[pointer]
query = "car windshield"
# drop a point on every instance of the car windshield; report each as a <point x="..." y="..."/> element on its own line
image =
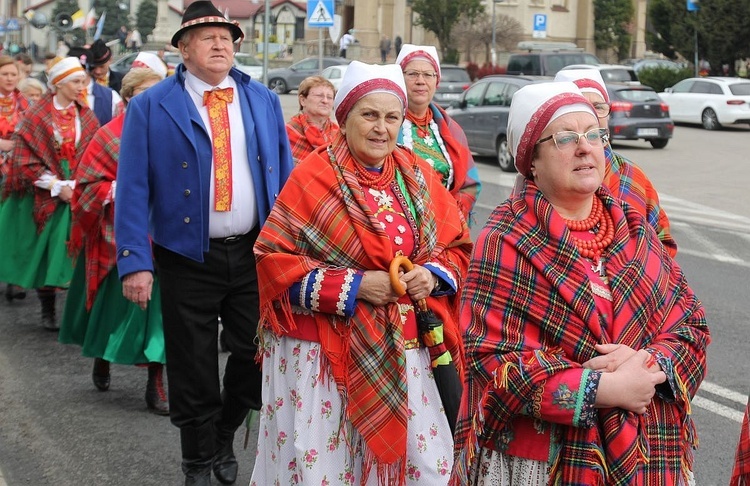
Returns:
<point x="454" y="76"/>
<point x="618" y="75"/>
<point x="740" y="89"/>
<point x="637" y="95"/>
<point x="247" y="61"/>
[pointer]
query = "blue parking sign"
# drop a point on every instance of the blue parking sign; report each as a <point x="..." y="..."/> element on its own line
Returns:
<point x="320" y="13"/>
<point x="540" y="25"/>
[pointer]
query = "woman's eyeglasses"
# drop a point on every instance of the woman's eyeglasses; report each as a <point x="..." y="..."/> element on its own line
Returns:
<point x="317" y="96"/>
<point x="567" y="139"/>
<point x="602" y="109"/>
<point x="413" y="75"/>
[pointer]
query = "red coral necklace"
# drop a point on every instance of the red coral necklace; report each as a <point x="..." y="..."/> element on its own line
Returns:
<point x="600" y="219"/>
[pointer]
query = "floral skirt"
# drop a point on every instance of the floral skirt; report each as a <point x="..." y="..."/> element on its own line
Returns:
<point x="300" y="439"/>
<point x="494" y="468"/>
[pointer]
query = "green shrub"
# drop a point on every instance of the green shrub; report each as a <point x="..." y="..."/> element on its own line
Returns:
<point x="662" y="77"/>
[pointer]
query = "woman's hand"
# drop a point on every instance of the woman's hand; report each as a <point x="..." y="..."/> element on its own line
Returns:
<point x="66" y="193"/>
<point x="376" y="288"/>
<point x="632" y="386"/>
<point x="7" y="145"/>
<point x="419" y="282"/>
<point x="612" y="356"/>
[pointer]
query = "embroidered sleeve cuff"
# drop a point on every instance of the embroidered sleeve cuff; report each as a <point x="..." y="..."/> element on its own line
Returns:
<point x="327" y="290"/>
<point x="586" y="415"/>
<point x="668" y="390"/>
<point x="447" y="284"/>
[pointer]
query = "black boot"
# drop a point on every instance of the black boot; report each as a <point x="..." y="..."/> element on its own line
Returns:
<point x="156" y="393"/>
<point x="47" y="299"/>
<point x="100" y="374"/>
<point x="233" y="414"/>
<point x="14" y="292"/>
<point x="197" y="453"/>
<point x="225" y="463"/>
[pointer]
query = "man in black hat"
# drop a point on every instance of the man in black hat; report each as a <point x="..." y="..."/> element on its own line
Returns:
<point x="203" y="156"/>
<point x="98" y="66"/>
<point x="104" y="101"/>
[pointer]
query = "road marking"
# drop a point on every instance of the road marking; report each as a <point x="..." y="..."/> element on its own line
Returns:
<point x="718" y="409"/>
<point x="713" y="251"/>
<point x="720" y="391"/>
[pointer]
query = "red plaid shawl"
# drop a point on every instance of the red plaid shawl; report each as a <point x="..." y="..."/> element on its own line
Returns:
<point x="321" y="219"/>
<point x="36" y="152"/>
<point x="741" y="472"/>
<point x="530" y="314"/>
<point x="629" y="183"/>
<point x="93" y="221"/>
<point x="305" y="138"/>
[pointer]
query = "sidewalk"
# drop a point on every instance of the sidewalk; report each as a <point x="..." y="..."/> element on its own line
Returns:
<point x="2" y="480"/>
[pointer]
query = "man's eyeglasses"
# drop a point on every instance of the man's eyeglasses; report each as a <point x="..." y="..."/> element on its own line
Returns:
<point x="413" y="75"/>
<point x="569" y="140"/>
<point x="602" y="109"/>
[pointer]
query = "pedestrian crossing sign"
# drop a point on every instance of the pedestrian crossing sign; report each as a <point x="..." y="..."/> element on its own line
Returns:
<point x="320" y="13"/>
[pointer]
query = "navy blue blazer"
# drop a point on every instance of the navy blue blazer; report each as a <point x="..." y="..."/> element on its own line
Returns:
<point x="164" y="171"/>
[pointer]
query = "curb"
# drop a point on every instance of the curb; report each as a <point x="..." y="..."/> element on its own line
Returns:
<point x="2" y="479"/>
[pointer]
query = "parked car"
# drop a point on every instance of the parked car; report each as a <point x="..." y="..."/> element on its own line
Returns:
<point x="655" y="63"/>
<point x="482" y="112"/>
<point x="249" y="65"/>
<point x="335" y="74"/>
<point x="284" y="80"/>
<point x="611" y="73"/>
<point x="547" y="63"/>
<point x="636" y="113"/>
<point x="711" y="101"/>
<point x="454" y="80"/>
<point x="123" y="64"/>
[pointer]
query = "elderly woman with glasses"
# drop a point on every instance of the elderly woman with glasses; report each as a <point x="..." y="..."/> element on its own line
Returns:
<point x="312" y="127"/>
<point x="349" y="393"/>
<point x="431" y="133"/>
<point x="584" y="343"/>
<point x="624" y="179"/>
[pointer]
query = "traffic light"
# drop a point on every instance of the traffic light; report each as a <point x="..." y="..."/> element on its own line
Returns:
<point x="693" y="5"/>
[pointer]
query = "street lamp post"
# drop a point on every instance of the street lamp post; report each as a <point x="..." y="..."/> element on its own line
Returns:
<point x="494" y="28"/>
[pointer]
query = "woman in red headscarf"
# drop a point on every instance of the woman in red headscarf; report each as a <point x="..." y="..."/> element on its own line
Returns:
<point x="12" y="105"/>
<point x="348" y="391"/>
<point x="35" y="215"/>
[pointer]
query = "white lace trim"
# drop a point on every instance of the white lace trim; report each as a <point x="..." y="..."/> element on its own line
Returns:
<point x="409" y="143"/>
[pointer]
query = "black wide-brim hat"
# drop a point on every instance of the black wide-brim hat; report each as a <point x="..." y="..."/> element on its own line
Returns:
<point x="100" y="53"/>
<point x="202" y="14"/>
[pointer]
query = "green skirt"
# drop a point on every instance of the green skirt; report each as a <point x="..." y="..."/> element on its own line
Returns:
<point x="115" y="329"/>
<point x="33" y="260"/>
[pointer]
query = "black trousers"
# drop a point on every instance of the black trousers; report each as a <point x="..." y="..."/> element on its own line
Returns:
<point x="193" y="296"/>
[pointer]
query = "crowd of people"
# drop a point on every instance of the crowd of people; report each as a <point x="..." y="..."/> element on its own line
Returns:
<point x="373" y="341"/>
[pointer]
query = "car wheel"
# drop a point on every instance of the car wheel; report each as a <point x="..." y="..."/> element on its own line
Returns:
<point x="278" y="86"/>
<point x="709" y="120"/>
<point x="503" y="155"/>
<point x="659" y="143"/>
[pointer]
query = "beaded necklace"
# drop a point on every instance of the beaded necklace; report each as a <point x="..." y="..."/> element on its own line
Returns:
<point x="376" y="180"/>
<point x="421" y="122"/>
<point x="605" y="232"/>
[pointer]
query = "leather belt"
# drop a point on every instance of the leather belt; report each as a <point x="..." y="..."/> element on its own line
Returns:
<point x="229" y="239"/>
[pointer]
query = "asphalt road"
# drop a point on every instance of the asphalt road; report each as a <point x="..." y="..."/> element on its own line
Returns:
<point x="57" y="429"/>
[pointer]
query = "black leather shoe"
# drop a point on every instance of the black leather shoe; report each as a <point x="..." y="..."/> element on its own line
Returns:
<point x="225" y="464"/>
<point x="100" y="374"/>
<point x="199" y="477"/>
